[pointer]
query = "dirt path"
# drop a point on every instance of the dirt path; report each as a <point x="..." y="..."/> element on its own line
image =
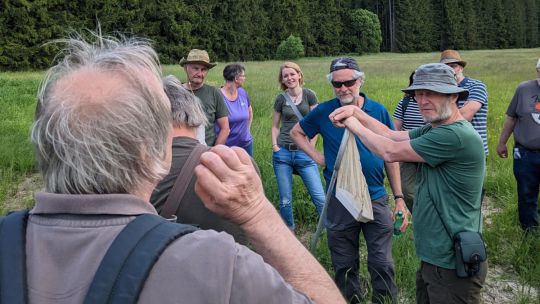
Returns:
<point x="502" y="284"/>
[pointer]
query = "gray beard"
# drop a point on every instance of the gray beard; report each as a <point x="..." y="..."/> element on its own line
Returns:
<point x="444" y="115"/>
<point x="346" y="103"/>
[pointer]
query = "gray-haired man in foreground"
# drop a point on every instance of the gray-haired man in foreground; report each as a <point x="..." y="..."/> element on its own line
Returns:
<point x="449" y="179"/>
<point x="103" y="138"/>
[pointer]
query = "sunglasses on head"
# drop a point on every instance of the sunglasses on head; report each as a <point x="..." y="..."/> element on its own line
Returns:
<point x="348" y="83"/>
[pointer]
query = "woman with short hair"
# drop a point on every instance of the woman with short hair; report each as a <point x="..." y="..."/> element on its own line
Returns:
<point x="239" y="105"/>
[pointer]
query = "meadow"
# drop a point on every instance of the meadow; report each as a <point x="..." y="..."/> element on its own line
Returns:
<point x="501" y="70"/>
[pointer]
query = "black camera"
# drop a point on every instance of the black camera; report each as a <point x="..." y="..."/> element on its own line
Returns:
<point x="470" y="252"/>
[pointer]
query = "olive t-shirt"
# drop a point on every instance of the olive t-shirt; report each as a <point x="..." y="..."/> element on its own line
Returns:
<point x="214" y="107"/>
<point x="288" y="118"/>
<point x="191" y="210"/>
<point x="451" y="178"/>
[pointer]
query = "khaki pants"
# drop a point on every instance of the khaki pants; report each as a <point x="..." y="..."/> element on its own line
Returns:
<point x="437" y="285"/>
<point x="408" y="182"/>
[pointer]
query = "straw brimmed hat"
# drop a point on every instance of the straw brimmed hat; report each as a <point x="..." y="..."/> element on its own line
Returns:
<point x="452" y="56"/>
<point x="198" y="56"/>
<point x="437" y="77"/>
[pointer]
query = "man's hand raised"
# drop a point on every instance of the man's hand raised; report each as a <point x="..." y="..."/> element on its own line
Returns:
<point x="228" y="184"/>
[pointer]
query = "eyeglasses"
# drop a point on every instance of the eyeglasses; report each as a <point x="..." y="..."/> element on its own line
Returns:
<point x="347" y="83"/>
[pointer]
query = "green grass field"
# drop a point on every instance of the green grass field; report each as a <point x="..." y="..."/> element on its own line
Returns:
<point x="501" y="70"/>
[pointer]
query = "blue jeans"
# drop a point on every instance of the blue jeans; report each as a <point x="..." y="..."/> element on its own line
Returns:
<point x="284" y="161"/>
<point x="527" y="174"/>
<point x="249" y="148"/>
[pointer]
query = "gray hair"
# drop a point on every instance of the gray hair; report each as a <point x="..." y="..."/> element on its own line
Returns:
<point x="356" y="75"/>
<point x="116" y="142"/>
<point x="186" y="108"/>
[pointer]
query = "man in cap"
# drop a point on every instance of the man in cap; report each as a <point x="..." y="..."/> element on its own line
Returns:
<point x="343" y="230"/>
<point x="196" y="66"/>
<point x="475" y="107"/>
<point x="103" y="140"/>
<point x="523" y="119"/>
<point x="449" y="179"/>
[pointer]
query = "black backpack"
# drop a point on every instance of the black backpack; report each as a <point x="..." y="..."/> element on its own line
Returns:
<point x="122" y="273"/>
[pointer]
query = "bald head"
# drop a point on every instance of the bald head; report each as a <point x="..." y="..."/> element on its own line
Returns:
<point x="103" y="120"/>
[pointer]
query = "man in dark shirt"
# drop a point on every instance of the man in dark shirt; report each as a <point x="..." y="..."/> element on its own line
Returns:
<point x="187" y="116"/>
<point x="196" y="65"/>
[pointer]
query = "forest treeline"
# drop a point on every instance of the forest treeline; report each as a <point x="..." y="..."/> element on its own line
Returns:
<point x="253" y="29"/>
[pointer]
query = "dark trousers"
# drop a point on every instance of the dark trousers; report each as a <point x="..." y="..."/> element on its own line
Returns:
<point x="344" y="246"/>
<point x="437" y="285"/>
<point x="527" y="174"/>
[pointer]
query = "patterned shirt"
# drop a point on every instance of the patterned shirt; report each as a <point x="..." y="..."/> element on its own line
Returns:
<point x="478" y="92"/>
<point x="411" y="118"/>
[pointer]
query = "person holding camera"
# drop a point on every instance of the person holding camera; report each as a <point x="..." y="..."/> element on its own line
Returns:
<point x="447" y="207"/>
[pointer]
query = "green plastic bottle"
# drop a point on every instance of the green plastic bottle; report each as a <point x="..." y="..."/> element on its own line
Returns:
<point x="397" y="223"/>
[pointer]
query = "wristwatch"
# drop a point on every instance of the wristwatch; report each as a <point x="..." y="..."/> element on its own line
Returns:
<point x="399" y="196"/>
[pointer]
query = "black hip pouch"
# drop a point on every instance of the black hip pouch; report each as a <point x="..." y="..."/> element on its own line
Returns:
<point x="470" y="253"/>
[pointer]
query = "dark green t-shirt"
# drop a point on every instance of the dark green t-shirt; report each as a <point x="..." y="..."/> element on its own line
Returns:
<point x="288" y="118"/>
<point x="450" y="178"/>
<point x="214" y="107"/>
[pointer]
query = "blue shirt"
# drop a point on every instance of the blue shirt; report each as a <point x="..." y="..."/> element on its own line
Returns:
<point x="317" y="122"/>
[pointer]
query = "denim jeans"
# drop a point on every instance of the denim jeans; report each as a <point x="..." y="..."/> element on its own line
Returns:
<point x="527" y="174"/>
<point x="284" y="161"/>
<point x="249" y="148"/>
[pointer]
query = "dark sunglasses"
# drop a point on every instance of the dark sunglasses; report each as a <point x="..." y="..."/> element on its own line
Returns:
<point x="348" y="83"/>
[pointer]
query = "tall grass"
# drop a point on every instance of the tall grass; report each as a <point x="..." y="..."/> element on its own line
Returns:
<point x="501" y="70"/>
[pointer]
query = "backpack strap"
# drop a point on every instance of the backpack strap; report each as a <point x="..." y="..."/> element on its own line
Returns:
<point x="13" y="285"/>
<point x="182" y="182"/>
<point x="291" y="104"/>
<point x="125" y="267"/>
<point x="404" y="106"/>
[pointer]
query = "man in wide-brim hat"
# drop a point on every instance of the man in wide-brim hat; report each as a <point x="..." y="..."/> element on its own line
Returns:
<point x="198" y="56"/>
<point x="475" y="106"/>
<point x="449" y="179"/>
<point x="196" y="66"/>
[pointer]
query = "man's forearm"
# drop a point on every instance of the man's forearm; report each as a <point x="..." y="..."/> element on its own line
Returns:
<point x="376" y="143"/>
<point x="373" y="124"/>
<point x="507" y="129"/>
<point x="222" y="136"/>
<point x="281" y="249"/>
<point x="304" y="144"/>
<point x="394" y="178"/>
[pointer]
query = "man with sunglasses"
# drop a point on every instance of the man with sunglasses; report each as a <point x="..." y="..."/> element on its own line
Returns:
<point x="343" y="230"/>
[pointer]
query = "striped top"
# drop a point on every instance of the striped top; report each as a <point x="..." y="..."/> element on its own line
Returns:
<point x="478" y="92"/>
<point x="412" y="118"/>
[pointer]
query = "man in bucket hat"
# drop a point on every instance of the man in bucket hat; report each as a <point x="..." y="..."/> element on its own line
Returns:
<point x="342" y="229"/>
<point x="449" y="181"/>
<point x="196" y="66"/>
<point x="474" y="108"/>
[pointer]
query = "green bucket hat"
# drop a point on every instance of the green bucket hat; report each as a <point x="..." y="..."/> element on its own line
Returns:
<point x="437" y="77"/>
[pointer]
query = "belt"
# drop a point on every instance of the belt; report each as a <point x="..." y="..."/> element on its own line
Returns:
<point x="531" y="150"/>
<point x="290" y="147"/>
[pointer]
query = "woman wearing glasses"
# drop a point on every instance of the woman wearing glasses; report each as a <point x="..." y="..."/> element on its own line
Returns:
<point x="239" y="105"/>
<point x="289" y="106"/>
